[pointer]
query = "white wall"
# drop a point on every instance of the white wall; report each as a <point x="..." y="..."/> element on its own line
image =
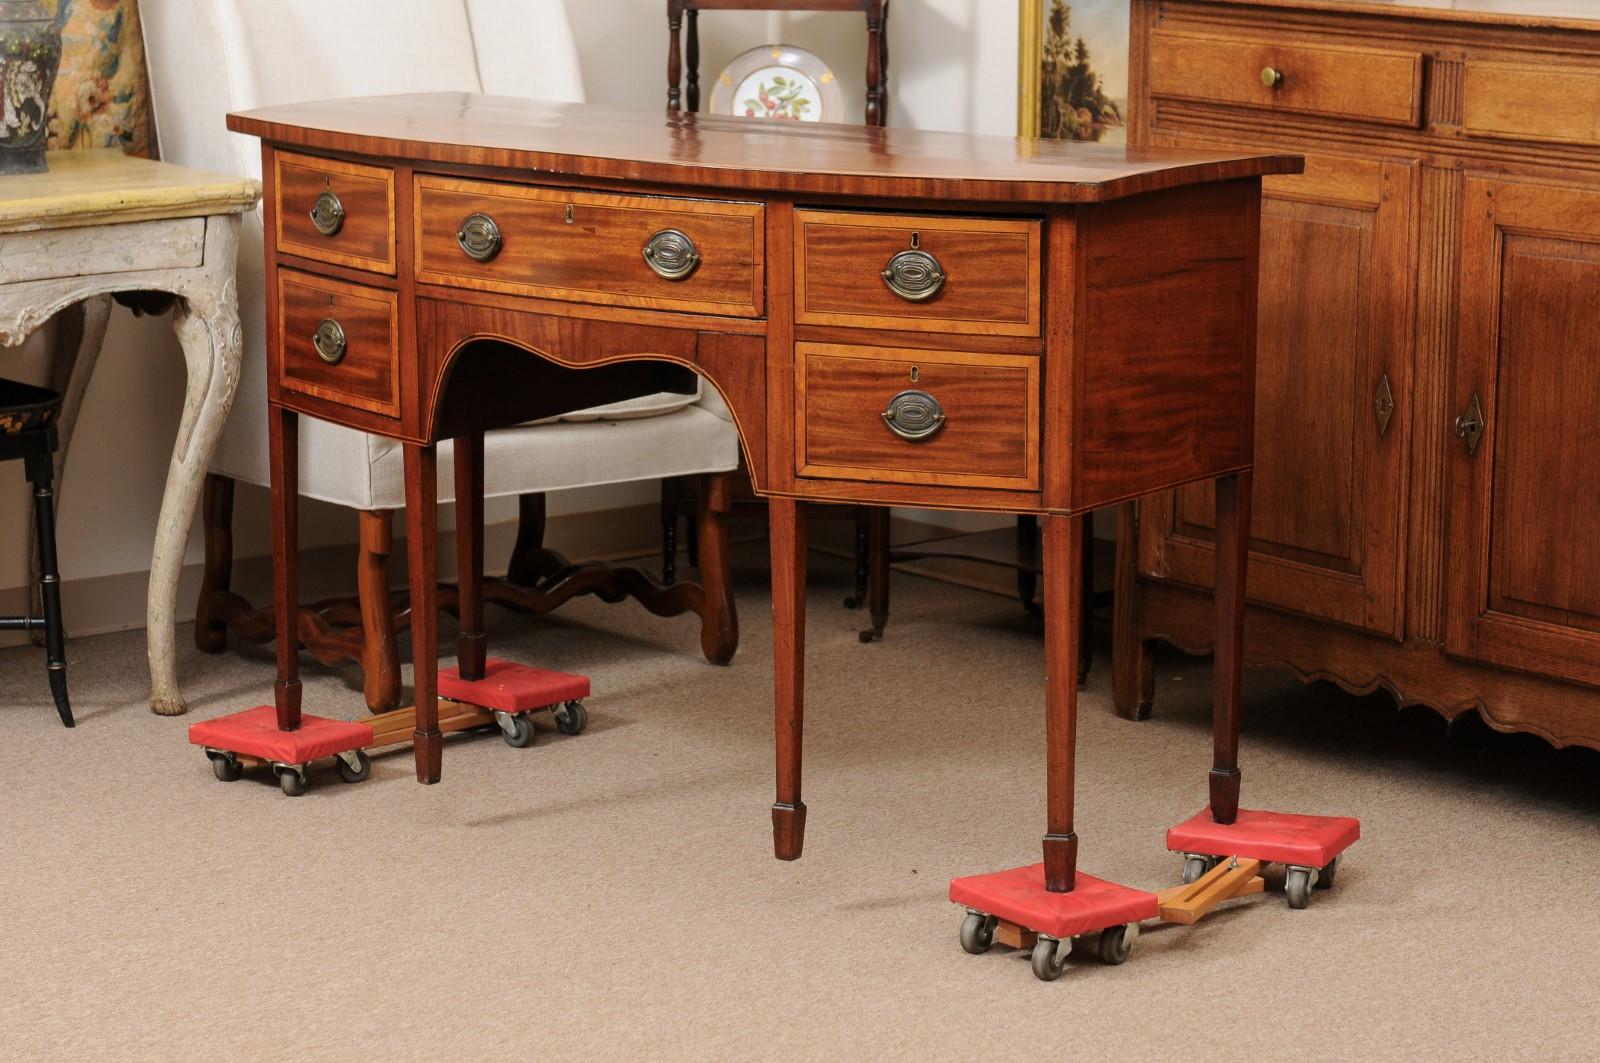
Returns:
<point x="953" y="66"/>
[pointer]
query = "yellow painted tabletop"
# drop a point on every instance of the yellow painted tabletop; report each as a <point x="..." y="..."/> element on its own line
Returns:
<point x="101" y="187"/>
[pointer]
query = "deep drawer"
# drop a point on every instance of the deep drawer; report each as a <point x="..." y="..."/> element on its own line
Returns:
<point x="656" y="252"/>
<point x="923" y="274"/>
<point x="1355" y="82"/>
<point x="973" y="419"/>
<point x="338" y="342"/>
<point x="332" y="211"/>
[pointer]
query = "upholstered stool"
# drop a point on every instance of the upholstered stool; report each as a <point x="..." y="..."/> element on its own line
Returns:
<point x="28" y="434"/>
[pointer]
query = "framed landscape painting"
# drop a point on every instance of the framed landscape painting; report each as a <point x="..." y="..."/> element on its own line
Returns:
<point x="1073" y="70"/>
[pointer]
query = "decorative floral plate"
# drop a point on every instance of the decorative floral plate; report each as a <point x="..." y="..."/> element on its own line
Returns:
<point x="778" y="81"/>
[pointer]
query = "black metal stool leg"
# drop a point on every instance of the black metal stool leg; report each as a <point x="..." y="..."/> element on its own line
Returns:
<point x="44" y="515"/>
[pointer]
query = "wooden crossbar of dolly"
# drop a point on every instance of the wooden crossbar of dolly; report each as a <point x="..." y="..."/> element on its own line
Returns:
<point x="399" y="726"/>
<point x="1187" y="905"/>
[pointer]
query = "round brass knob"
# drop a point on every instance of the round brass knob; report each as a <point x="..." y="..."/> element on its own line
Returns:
<point x="1271" y="77"/>
<point x="329" y="341"/>
<point x="479" y="237"/>
<point x="327" y="214"/>
<point x="914" y="415"/>
<point x="671" y="254"/>
<point x="915" y="276"/>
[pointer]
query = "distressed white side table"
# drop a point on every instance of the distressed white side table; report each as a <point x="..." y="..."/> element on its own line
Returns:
<point x="99" y="224"/>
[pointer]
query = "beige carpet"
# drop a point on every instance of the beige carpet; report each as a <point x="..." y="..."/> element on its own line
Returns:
<point x="612" y="896"/>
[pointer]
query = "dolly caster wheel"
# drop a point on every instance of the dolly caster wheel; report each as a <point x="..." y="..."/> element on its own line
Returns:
<point x="226" y="767"/>
<point x="1297" y="886"/>
<point x="1050" y="958"/>
<point x="1116" y="942"/>
<point x="572" y="718"/>
<point x="977" y="933"/>
<point x="1195" y="868"/>
<point x="293" y="783"/>
<point x="520" y="735"/>
<point x="852" y="602"/>
<point x="363" y="767"/>
<point x="1325" y="876"/>
<point x="872" y="634"/>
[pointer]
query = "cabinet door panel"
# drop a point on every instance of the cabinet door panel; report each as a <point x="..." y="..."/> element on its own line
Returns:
<point x="1335" y="320"/>
<point x="1525" y="558"/>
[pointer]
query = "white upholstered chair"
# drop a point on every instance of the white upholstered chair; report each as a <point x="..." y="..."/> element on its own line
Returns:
<point x="208" y="57"/>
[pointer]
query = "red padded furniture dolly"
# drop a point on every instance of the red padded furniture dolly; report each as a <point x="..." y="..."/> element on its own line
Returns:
<point x="1044" y="906"/>
<point x="1309" y="845"/>
<point x="511" y="692"/>
<point x="255" y="736"/>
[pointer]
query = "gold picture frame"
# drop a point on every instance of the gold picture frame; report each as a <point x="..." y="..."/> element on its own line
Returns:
<point x="1060" y="40"/>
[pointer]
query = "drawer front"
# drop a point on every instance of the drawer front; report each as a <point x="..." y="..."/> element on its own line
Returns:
<point x="922" y="274"/>
<point x="656" y="252"/>
<point x="1363" y="83"/>
<point x="337" y="212"/>
<point x="1532" y="100"/>
<point x="972" y="419"/>
<point x="338" y="342"/>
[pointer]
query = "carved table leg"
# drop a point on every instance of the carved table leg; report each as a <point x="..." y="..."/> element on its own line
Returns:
<point x="283" y="444"/>
<point x="788" y="533"/>
<point x="471" y="642"/>
<point x="1233" y="547"/>
<point x="422" y="534"/>
<point x="206" y="320"/>
<point x="1063" y="546"/>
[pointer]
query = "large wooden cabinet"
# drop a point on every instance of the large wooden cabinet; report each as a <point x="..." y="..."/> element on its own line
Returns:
<point x="1427" y="489"/>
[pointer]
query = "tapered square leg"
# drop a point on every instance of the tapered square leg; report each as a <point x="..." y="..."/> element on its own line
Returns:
<point x="788" y="536"/>
<point x="1063" y="548"/>
<point x="422" y="527"/>
<point x="1233" y="549"/>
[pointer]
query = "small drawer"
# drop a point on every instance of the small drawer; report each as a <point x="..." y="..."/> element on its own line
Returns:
<point x="333" y="211"/>
<point x="921" y="274"/>
<point x="1532" y="100"/>
<point x="918" y="417"/>
<point x="338" y="342"/>
<point x="656" y="252"/>
<point x="1361" y="83"/>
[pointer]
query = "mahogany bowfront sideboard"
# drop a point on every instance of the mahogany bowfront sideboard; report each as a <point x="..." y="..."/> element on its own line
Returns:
<point x="894" y="318"/>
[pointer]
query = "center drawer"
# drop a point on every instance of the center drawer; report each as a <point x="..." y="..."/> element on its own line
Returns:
<point x="657" y="252"/>
<point x="915" y="416"/>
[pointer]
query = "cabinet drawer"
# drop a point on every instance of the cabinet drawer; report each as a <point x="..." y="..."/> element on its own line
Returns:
<point x="338" y="342"/>
<point x="975" y="417"/>
<point x="333" y="211"/>
<point x="960" y="275"/>
<point x="1532" y="100"/>
<point x="1359" y="82"/>
<point x="647" y="251"/>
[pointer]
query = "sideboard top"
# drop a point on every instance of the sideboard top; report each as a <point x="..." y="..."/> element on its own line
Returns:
<point x="1548" y="14"/>
<point x="737" y="154"/>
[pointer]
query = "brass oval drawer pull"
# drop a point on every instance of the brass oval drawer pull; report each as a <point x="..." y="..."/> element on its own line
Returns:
<point x="671" y="254"/>
<point x="914" y="415"/>
<point x="915" y="276"/>
<point x="1271" y="77"/>
<point x="327" y="214"/>
<point x="329" y="341"/>
<point x="479" y="237"/>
